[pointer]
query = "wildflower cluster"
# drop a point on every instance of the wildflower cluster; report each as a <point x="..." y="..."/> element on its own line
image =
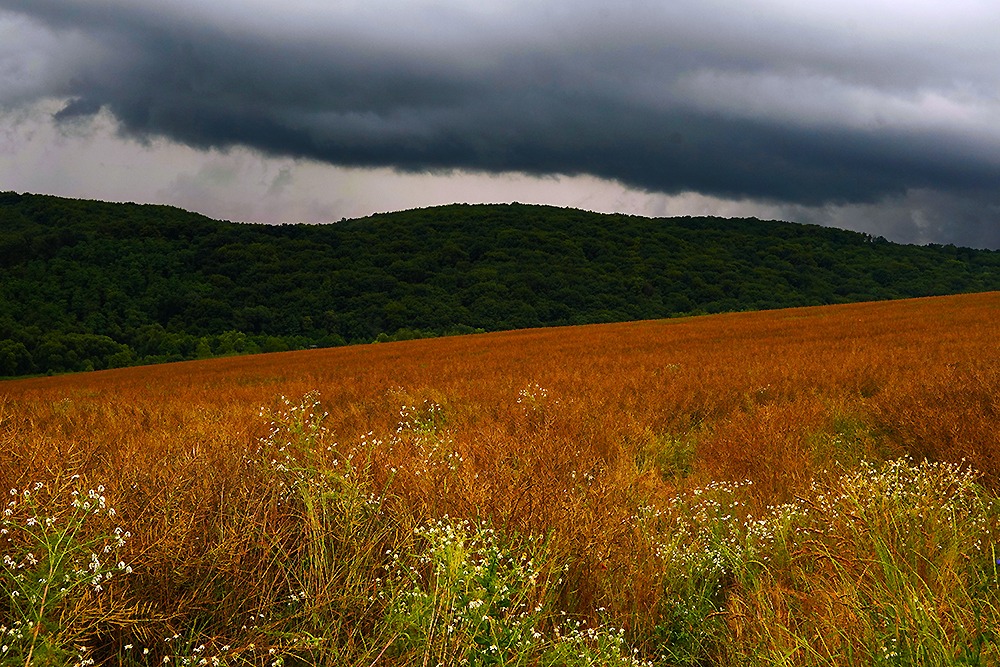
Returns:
<point x="927" y="496"/>
<point x="474" y="596"/>
<point x="533" y="396"/>
<point x="707" y="539"/>
<point x="536" y="406"/>
<point x="424" y="429"/>
<point x="296" y="434"/>
<point x="705" y="529"/>
<point x="534" y="400"/>
<point x="331" y="490"/>
<point x="897" y="560"/>
<point x="698" y="537"/>
<point x="184" y="652"/>
<point x="53" y="560"/>
<point x="426" y="419"/>
<point x="578" y="646"/>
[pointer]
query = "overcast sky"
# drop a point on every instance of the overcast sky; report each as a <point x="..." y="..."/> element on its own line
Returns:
<point x="880" y="116"/>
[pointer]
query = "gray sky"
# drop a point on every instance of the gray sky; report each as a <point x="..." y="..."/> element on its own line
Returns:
<point x="878" y="116"/>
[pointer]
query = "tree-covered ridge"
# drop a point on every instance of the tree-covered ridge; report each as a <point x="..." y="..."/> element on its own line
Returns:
<point x="95" y="285"/>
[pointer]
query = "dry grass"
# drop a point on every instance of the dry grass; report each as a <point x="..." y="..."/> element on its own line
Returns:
<point x="564" y="432"/>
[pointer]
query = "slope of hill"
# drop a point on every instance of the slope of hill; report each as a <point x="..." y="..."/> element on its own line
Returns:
<point x="90" y="285"/>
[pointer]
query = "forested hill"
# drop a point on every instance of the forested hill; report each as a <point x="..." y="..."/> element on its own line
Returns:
<point x="90" y="285"/>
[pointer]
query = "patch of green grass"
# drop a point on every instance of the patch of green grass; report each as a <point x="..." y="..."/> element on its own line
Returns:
<point x="672" y="456"/>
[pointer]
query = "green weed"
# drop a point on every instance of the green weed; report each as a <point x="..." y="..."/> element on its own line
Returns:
<point x="58" y="559"/>
<point x="474" y="596"/>
<point x="891" y="564"/>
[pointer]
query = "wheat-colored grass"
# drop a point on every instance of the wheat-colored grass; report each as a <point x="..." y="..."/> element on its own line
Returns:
<point x="567" y="433"/>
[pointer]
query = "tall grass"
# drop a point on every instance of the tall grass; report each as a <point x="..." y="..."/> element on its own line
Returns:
<point x="724" y="490"/>
<point x="54" y="571"/>
<point x="893" y="564"/>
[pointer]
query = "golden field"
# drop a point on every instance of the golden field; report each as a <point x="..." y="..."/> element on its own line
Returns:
<point x="258" y="525"/>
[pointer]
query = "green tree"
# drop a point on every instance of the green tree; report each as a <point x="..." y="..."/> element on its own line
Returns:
<point x="14" y="358"/>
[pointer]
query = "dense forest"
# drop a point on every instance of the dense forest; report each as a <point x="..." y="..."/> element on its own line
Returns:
<point x="89" y="285"/>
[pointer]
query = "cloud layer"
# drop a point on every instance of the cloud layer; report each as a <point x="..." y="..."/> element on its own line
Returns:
<point x="823" y="111"/>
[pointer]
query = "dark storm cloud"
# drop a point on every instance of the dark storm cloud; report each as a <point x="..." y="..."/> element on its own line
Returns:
<point x="76" y="108"/>
<point x="736" y="100"/>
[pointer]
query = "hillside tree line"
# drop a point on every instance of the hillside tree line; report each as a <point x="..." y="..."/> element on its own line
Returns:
<point x="88" y="285"/>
